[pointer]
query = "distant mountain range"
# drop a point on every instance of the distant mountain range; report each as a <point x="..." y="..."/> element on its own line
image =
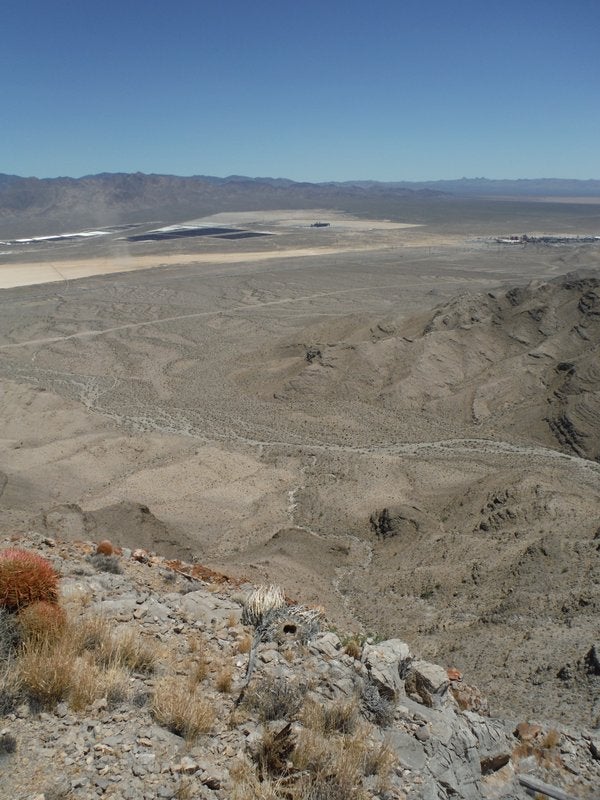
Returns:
<point x="39" y="206"/>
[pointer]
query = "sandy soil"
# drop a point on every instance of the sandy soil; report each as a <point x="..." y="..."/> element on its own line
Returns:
<point x="187" y="389"/>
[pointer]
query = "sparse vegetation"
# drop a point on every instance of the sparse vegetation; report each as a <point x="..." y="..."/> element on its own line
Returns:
<point x="45" y="669"/>
<point x="274" y="698"/>
<point x="8" y="744"/>
<point x="42" y="620"/>
<point x="244" y="644"/>
<point x="106" y="563"/>
<point x="338" y="717"/>
<point x="10" y="634"/>
<point x="224" y="680"/>
<point x="183" y="712"/>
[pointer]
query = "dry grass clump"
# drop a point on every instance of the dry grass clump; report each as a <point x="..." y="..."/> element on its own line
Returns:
<point x="126" y="649"/>
<point x="76" y="660"/>
<point x="11" y="635"/>
<point x="224" y="680"/>
<point x="131" y="652"/>
<point x="248" y="786"/>
<point x="199" y="670"/>
<point x="92" y="682"/>
<point x="551" y="739"/>
<point x="353" y="649"/>
<point x="10" y="690"/>
<point x="334" y="767"/>
<point x="45" y="670"/>
<point x="182" y="711"/>
<point x="338" y="717"/>
<point x="274" y="751"/>
<point x="274" y="698"/>
<point x="245" y="644"/>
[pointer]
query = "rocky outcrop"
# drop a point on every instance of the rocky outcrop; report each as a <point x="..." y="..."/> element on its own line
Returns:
<point x="402" y="520"/>
<point x="387" y="701"/>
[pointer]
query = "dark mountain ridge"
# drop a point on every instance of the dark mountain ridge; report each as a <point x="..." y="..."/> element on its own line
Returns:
<point x="43" y="205"/>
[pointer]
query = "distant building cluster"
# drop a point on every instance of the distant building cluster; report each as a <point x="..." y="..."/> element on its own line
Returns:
<point x="546" y="239"/>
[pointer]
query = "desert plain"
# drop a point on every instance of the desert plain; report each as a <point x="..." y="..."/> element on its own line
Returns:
<point x="391" y="415"/>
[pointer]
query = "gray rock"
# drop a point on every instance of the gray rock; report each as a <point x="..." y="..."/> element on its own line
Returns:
<point x="327" y="644"/>
<point x="409" y="751"/>
<point x="384" y="663"/>
<point x="494" y="741"/>
<point x="427" y="681"/>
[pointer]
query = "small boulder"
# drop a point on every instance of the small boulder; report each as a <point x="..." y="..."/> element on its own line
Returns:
<point x="427" y="682"/>
<point x="385" y="663"/>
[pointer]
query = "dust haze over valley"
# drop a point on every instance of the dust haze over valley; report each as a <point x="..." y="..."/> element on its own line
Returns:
<point x="391" y="414"/>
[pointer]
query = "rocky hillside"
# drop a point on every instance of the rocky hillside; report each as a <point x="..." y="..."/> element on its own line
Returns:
<point x="520" y="363"/>
<point x="167" y="680"/>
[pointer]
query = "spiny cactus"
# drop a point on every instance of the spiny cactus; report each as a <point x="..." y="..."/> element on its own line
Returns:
<point x="260" y="602"/>
<point x="42" y="620"/>
<point x="24" y="578"/>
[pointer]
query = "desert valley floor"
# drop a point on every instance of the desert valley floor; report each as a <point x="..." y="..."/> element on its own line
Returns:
<point x="388" y="419"/>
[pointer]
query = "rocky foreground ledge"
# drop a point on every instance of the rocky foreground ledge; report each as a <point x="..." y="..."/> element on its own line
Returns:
<point x="172" y="696"/>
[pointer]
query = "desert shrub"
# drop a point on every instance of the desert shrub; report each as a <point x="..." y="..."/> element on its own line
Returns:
<point x="24" y="578"/>
<point x="338" y="717"/>
<point x="92" y="682"/>
<point x="274" y="751"/>
<point x="42" y="620"/>
<point x="45" y="670"/>
<point x="106" y="563"/>
<point x="8" y="744"/>
<point x="379" y="710"/>
<point x="126" y="649"/>
<point x="10" y="634"/>
<point x="181" y="711"/>
<point x="10" y="691"/>
<point x="274" y="698"/>
<point x="224" y="680"/>
<point x="353" y="648"/>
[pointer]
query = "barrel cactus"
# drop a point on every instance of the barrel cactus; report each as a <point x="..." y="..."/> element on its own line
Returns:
<point x="25" y="578"/>
<point x="42" y="620"/>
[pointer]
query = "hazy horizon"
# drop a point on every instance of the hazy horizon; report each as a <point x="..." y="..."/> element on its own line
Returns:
<point x="247" y="176"/>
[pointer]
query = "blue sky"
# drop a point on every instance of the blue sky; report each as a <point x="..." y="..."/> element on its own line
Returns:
<point x="330" y="90"/>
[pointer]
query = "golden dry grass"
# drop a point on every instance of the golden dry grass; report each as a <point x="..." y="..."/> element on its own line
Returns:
<point x="248" y="786"/>
<point x="45" y="670"/>
<point x="92" y="682"/>
<point x="353" y="649"/>
<point x="182" y="711"/>
<point x="334" y="766"/>
<point x="81" y="661"/>
<point x="245" y="644"/>
<point x="338" y="717"/>
<point x="224" y="680"/>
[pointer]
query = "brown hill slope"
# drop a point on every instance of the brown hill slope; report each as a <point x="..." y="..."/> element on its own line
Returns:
<point x="511" y="364"/>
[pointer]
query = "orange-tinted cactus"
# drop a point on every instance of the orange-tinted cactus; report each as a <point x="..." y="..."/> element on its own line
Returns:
<point x="24" y="578"/>
<point x="41" y="620"/>
<point x="105" y="548"/>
